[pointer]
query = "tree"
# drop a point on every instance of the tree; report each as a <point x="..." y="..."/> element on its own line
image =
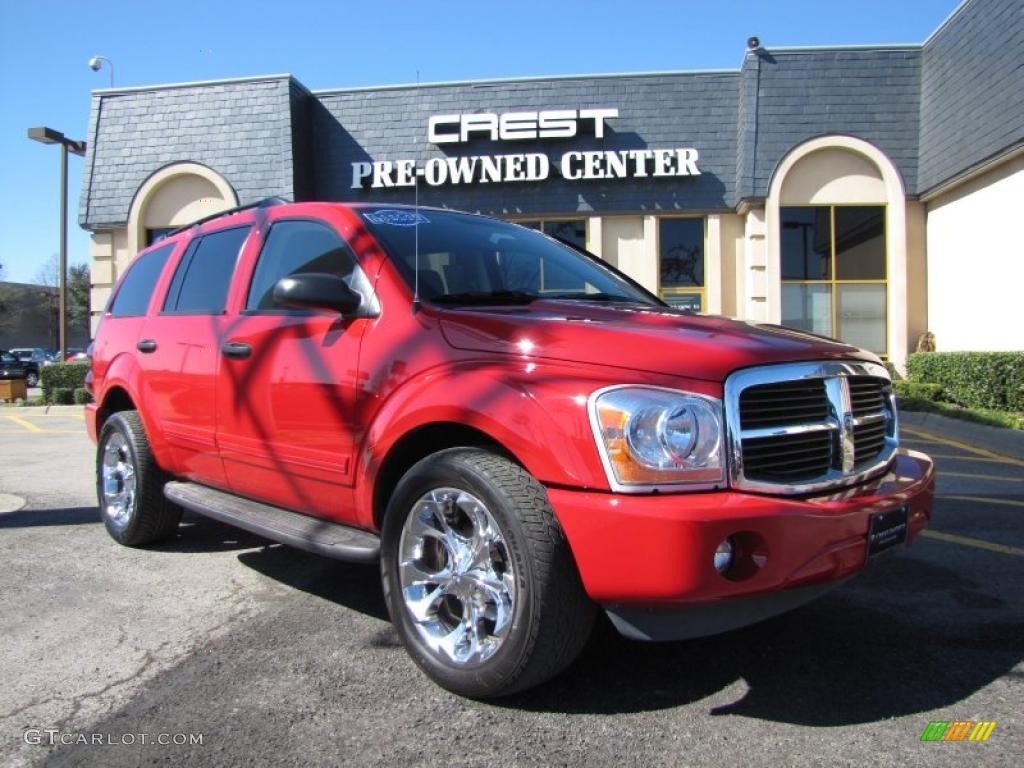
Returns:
<point x="49" y="300"/>
<point x="48" y="272"/>
<point x="6" y="310"/>
<point x="79" y="290"/>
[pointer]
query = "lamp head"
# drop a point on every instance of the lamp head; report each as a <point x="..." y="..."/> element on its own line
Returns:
<point x="95" y="64"/>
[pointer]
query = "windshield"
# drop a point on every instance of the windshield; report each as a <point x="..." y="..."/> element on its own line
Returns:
<point x="466" y="259"/>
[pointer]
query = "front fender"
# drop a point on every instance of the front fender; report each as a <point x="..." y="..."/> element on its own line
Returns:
<point x="537" y="412"/>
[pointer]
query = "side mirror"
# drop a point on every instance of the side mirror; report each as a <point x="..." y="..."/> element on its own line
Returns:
<point x="316" y="290"/>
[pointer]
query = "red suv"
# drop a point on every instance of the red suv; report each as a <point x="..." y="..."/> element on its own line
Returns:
<point x="519" y="433"/>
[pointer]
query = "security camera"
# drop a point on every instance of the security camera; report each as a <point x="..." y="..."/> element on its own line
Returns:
<point x="95" y="64"/>
<point x="753" y="43"/>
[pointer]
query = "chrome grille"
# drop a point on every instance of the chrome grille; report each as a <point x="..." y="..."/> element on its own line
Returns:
<point x="866" y="394"/>
<point x="785" y="402"/>
<point x="788" y="458"/>
<point x="803" y="427"/>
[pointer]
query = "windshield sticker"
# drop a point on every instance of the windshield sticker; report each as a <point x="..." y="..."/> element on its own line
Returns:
<point x="396" y="218"/>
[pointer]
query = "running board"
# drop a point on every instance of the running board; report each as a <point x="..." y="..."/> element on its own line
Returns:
<point x="312" y="534"/>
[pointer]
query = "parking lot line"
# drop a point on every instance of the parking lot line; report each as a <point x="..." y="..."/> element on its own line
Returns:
<point x="42" y="432"/>
<point x="969" y="542"/>
<point x="983" y="477"/>
<point x="22" y="423"/>
<point x="968" y="458"/>
<point x="1010" y="502"/>
<point x="962" y="446"/>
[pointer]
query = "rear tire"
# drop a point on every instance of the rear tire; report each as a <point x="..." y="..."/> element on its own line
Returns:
<point x="130" y="484"/>
<point x="478" y="577"/>
<point x="31" y="379"/>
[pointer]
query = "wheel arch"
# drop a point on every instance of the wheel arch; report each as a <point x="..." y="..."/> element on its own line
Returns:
<point x="115" y="399"/>
<point x="419" y="443"/>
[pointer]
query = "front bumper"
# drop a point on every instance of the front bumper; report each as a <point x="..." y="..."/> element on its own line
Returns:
<point x="656" y="551"/>
<point x="92" y="421"/>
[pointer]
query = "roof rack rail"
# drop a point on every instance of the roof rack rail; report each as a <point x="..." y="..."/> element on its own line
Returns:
<point x="266" y="202"/>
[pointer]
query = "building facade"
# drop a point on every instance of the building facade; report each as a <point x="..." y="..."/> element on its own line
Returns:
<point x="866" y="193"/>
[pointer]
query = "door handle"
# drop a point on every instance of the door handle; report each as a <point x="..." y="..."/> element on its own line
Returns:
<point x="237" y="349"/>
<point x="146" y="345"/>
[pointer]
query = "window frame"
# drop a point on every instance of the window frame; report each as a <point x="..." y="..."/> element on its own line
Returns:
<point x="185" y="262"/>
<point x="664" y="292"/>
<point x="832" y="281"/>
<point x="525" y="221"/>
<point x="109" y="309"/>
<point x="301" y="311"/>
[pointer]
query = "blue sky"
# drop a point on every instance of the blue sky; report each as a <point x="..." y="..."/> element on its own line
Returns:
<point x="45" y="47"/>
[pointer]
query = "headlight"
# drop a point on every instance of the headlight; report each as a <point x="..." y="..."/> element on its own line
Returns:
<point x="650" y="436"/>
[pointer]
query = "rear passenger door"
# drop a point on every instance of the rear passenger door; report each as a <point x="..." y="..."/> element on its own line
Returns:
<point x="179" y="351"/>
<point x="287" y="384"/>
<point x="125" y="314"/>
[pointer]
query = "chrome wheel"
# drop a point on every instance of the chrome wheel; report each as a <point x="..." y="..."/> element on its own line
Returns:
<point x="118" y="481"/>
<point x="456" y="577"/>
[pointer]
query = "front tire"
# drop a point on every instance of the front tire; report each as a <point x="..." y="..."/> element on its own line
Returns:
<point x="130" y="484"/>
<point x="31" y="379"/>
<point x="478" y="577"/>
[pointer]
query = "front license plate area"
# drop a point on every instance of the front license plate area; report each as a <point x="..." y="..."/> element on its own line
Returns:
<point x="887" y="529"/>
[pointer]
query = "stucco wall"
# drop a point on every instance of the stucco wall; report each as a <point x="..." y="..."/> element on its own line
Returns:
<point x="976" y="263"/>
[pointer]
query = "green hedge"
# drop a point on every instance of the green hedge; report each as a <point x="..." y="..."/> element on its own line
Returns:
<point x="82" y="396"/>
<point x="69" y="376"/>
<point x="62" y="396"/>
<point x="973" y="379"/>
<point x="917" y="390"/>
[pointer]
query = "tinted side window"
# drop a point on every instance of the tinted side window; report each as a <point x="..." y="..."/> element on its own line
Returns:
<point x="137" y="287"/>
<point x="200" y="284"/>
<point x="293" y="247"/>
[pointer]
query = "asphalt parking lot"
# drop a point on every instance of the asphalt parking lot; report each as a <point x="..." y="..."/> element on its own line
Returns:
<point x="273" y="656"/>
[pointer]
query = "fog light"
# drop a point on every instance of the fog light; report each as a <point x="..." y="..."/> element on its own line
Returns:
<point x="723" y="555"/>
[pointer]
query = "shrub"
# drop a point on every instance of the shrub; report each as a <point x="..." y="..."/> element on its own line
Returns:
<point x="63" y="396"/>
<point x="62" y="375"/>
<point x="917" y="390"/>
<point x="82" y="396"/>
<point x="973" y="379"/>
<point x="893" y="373"/>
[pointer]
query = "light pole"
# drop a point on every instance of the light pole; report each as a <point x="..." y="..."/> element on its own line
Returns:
<point x="97" y="61"/>
<point x="50" y="136"/>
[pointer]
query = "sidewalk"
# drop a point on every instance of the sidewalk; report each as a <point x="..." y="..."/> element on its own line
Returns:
<point x="1006" y="442"/>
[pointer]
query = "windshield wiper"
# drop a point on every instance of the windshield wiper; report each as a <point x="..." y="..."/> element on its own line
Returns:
<point x="582" y="296"/>
<point x="485" y="297"/>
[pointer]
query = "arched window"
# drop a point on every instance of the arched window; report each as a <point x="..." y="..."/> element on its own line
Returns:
<point x="840" y="237"/>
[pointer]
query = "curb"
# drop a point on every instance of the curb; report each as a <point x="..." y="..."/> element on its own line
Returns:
<point x="44" y="409"/>
<point x="1006" y="442"/>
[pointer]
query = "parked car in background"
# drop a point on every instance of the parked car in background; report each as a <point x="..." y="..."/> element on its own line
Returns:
<point x="75" y="354"/>
<point x="11" y="367"/>
<point x="33" y="359"/>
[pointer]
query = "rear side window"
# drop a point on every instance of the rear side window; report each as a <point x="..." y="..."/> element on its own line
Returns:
<point x="293" y="247"/>
<point x="200" y="284"/>
<point x="137" y="287"/>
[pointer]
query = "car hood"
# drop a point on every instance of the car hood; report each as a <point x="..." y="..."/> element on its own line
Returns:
<point x="635" y="337"/>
